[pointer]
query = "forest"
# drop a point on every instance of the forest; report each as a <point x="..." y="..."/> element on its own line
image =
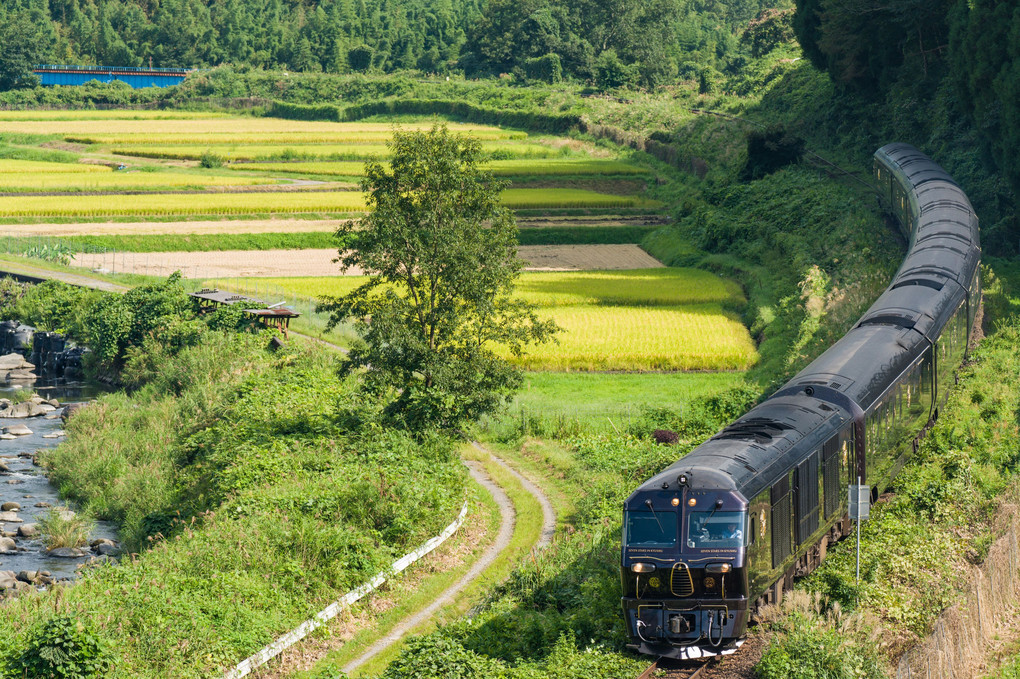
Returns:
<point x="633" y="43"/>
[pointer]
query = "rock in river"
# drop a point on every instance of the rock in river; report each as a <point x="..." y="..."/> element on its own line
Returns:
<point x="65" y="553"/>
<point x="10" y="507"/>
<point x="28" y="530"/>
<point x="17" y="430"/>
<point x="7" y="546"/>
<point x="10" y="517"/>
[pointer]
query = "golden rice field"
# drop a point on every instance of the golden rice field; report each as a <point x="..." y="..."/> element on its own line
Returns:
<point x="276" y="138"/>
<point x="118" y="181"/>
<point x="639" y="287"/>
<point x="218" y="125"/>
<point x="165" y="204"/>
<point x="500" y="168"/>
<point x="8" y="167"/>
<point x="310" y="151"/>
<point x="658" y="319"/>
<point x="600" y="338"/>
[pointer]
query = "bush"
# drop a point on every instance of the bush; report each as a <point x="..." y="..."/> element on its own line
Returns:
<point x="61" y="527"/>
<point x="63" y="647"/>
<point x="210" y="160"/>
<point x="547" y="68"/>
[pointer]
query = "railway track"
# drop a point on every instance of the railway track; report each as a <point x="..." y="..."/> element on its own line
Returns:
<point x="668" y="668"/>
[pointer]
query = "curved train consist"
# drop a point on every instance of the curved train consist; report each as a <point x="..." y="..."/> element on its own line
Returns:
<point x="726" y="529"/>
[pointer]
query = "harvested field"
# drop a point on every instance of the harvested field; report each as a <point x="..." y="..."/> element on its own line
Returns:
<point x="286" y="263"/>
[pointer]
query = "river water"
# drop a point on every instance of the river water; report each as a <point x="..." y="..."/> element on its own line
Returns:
<point x="27" y="485"/>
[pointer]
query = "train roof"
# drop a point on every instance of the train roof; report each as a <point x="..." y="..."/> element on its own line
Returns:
<point x="916" y="167"/>
<point x="754" y="451"/>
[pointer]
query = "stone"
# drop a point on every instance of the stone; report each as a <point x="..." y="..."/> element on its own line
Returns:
<point x="102" y="541"/>
<point x="37" y="409"/>
<point x="10" y="517"/>
<point x="66" y="514"/>
<point x="8" y="580"/>
<point x="14" y="482"/>
<point x="28" y="530"/>
<point x="53" y="436"/>
<point x="21" y="376"/>
<point x="18" y="410"/>
<point x="7" y="437"/>
<point x="53" y="402"/>
<point x="10" y="507"/>
<point x="43" y="504"/>
<point x="28" y="576"/>
<point x="71" y="409"/>
<point x="107" y="550"/>
<point x="4" y="469"/>
<point x="12" y="361"/>
<point x="66" y="553"/>
<point x="18" y="430"/>
<point x="7" y="546"/>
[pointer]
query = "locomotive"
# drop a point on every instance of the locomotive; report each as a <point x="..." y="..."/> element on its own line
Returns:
<point x="724" y="530"/>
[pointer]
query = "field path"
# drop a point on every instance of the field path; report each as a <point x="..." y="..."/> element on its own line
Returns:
<point x="319" y="262"/>
<point x="508" y="520"/>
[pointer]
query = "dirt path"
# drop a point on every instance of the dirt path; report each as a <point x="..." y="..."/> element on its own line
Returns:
<point x="34" y="274"/>
<point x="319" y="262"/>
<point x="508" y="520"/>
<point x="548" y="513"/>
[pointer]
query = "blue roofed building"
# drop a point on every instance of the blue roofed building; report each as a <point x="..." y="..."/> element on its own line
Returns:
<point x="135" y="77"/>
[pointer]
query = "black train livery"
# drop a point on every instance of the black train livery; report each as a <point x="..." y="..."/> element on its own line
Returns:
<point x="725" y="529"/>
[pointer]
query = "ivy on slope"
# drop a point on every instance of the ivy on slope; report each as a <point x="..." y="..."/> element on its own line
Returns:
<point x="255" y="489"/>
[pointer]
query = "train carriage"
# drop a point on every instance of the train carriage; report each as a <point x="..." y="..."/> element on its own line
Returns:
<point x="724" y="530"/>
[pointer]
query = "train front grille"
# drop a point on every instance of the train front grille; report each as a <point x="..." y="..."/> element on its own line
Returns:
<point x="681" y="584"/>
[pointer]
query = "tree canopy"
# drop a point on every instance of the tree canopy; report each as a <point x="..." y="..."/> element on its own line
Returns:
<point x="441" y="255"/>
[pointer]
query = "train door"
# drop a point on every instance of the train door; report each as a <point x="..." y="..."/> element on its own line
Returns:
<point x="806" y="479"/>
<point x="832" y="492"/>
<point x="782" y="520"/>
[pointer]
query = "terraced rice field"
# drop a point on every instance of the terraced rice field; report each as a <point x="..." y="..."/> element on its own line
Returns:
<point x="649" y="319"/>
<point x="118" y="181"/>
<point x="340" y="136"/>
<point x="500" y="168"/>
<point x="269" y="151"/>
<point x="258" y="129"/>
<point x="9" y="167"/>
<point x="169" y="204"/>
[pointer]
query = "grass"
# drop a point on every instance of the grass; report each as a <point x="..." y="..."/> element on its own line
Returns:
<point x="300" y="202"/>
<point x="599" y="338"/>
<point x="500" y="168"/>
<point x="527" y="530"/>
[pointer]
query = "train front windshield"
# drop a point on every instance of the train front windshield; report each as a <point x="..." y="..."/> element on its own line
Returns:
<point x="708" y="530"/>
<point x="652" y="529"/>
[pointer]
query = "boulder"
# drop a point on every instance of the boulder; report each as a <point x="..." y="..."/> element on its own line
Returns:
<point x="12" y="361"/>
<point x="4" y="469"/>
<point x="8" y="580"/>
<point x="7" y="546"/>
<point x="28" y="576"/>
<point x="7" y="437"/>
<point x="28" y="530"/>
<point x="70" y="410"/>
<point x="107" y="550"/>
<point x="43" y="504"/>
<point x="37" y="409"/>
<point x="10" y="507"/>
<point x="53" y="402"/>
<point x="102" y="541"/>
<point x="15" y="482"/>
<point x="17" y="430"/>
<point x="65" y="553"/>
<point x="21" y="376"/>
<point x="10" y="517"/>
<point x="17" y="411"/>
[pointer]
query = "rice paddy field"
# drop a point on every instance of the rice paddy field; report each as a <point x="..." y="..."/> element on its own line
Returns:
<point x="159" y="166"/>
<point x="666" y="319"/>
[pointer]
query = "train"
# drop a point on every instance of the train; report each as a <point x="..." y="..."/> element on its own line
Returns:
<point x="724" y="530"/>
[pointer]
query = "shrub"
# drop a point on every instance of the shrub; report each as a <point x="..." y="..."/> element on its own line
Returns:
<point x="62" y="527"/>
<point x="210" y="159"/>
<point x="546" y="68"/>
<point x="63" y="647"/>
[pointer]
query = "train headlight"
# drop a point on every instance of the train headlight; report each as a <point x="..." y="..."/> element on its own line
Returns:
<point x="675" y="501"/>
<point x="718" y="568"/>
<point x="642" y="567"/>
<point x="692" y="502"/>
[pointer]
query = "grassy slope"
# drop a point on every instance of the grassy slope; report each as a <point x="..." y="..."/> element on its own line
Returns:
<point x="269" y="505"/>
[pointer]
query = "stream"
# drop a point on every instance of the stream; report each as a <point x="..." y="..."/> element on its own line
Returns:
<point x="27" y="485"/>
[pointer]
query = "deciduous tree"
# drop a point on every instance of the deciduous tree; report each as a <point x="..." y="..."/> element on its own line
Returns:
<point x="437" y="314"/>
